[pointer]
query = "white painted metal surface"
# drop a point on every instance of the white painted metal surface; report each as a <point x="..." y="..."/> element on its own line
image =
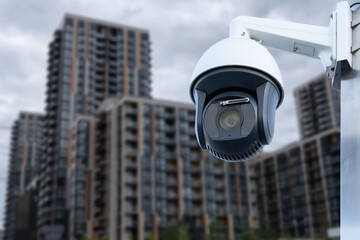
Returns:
<point x="343" y="32"/>
<point x="238" y="51"/>
<point x="332" y="45"/>
<point x="309" y="40"/>
<point x="350" y="147"/>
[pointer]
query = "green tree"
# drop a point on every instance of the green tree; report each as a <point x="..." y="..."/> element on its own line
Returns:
<point x="288" y="236"/>
<point x="85" y="237"/>
<point x="266" y="233"/>
<point x="216" y="231"/>
<point x="150" y="236"/>
<point x="105" y="237"/>
<point x="262" y="233"/>
<point x="175" y="232"/>
<point x="183" y="232"/>
<point x="248" y="234"/>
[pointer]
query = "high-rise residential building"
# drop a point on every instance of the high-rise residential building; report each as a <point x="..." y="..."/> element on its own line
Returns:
<point x="148" y="173"/>
<point x="296" y="190"/>
<point x="88" y="61"/>
<point x="116" y="164"/>
<point x="26" y="213"/>
<point x="24" y="160"/>
<point x="318" y="106"/>
<point x="81" y="177"/>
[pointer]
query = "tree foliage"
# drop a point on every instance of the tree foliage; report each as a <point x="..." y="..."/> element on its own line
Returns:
<point x="262" y="233"/>
<point x="216" y="232"/>
<point x="175" y="232"/>
<point x="85" y="237"/>
<point x="150" y="236"/>
<point x="105" y="237"/>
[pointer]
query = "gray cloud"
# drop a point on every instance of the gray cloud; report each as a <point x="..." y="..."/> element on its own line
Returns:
<point x="180" y="30"/>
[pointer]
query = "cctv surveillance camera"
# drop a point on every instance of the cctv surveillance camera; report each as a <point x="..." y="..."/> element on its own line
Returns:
<point x="236" y="86"/>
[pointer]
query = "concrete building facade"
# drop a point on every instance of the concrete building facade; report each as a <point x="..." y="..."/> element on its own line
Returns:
<point x="112" y="162"/>
<point x="24" y="162"/>
<point x="296" y="190"/>
<point x="149" y="173"/>
<point x="318" y="106"/>
<point x="88" y="61"/>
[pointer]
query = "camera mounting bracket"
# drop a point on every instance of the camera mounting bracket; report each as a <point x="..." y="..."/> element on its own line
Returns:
<point x="332" y="45"/>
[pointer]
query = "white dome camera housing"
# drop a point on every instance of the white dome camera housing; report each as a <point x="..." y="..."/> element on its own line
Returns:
<point x="236" y="86"/>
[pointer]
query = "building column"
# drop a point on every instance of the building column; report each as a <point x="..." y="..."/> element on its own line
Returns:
<point x="307" y="193"/>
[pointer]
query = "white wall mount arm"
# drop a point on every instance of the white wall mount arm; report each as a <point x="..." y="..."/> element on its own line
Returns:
<point x="332" y="45"/>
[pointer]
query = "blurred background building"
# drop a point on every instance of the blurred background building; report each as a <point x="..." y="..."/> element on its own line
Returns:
<point x="109" y="162"/>
<point x="24" y="162"/>
<point x="149" y="173"/>
<point x="318" y="107"/>
<point x="296" y="190"/>
<point x="89" y="61"/>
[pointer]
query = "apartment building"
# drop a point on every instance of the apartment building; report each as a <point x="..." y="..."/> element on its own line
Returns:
<point x="112" y="162"/>
<point x="149" y="173"/>
<point x="24" y="161"/>
<point x="318" y="106"/>
<point x="80" y="177"/>
<point x="296" y="190"/>
<point x="88" y="61"/>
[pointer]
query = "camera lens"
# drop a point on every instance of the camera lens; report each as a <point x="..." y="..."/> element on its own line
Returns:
<point x="229" y="119"/>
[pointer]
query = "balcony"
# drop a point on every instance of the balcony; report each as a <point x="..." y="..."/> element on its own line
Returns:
<point x="131" y="180"/>
<point x="99" y="95"/>
<point x="48" y="179"/>
<point x="99" y="86"/>
<point x="100" y="214"/>
<point x="99" y="228"/>
<point x="100" y="176"/>
<point x="131" y="195"/>
<point x="168" y="128"/>
<point x="130" y="208"/>
<point x="100" y="188"/>
<point x="195" y="171"/>
<point x="131" y="224"/>
<point x="131" y="138"/>
<point x="100" y="161"/>
<point x="171" y="182"/>
<point x="99" y="203"/>
<point x="195" y="156"/>
<point x="96" y="72"/>
<point x="172" y="210"/>
<point x="219" y="171"/>
<point x="220" y="197"/>
<point x="100" y="150"/>
<point x="169" y="115"/>
<point x="172" y="196"/>
<point x="101" y="125"/>
<point x="132" y="166"/>
<point x="131" y="124"/>
<point x="168" y="154"/>
<point x="131" y="151"/>
<point x="131" y="111"/>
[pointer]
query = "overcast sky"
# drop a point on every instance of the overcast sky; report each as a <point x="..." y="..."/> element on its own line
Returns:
<point x="180" y="31"/>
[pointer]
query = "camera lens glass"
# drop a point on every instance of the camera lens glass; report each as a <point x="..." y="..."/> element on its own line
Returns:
<point x="229" y="118"/>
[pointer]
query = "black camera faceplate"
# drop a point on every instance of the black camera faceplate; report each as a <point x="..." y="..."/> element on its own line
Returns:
<point x="221" y="83"/>
<point x="232" y="78"/>
<point x="246" y="110"/>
